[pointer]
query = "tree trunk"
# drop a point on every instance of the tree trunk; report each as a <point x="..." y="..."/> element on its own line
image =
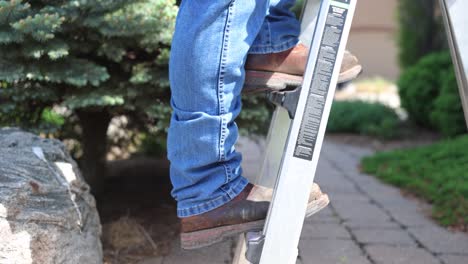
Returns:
<point x="420" y="32"/>
<point x="429" y="43"/>
<point x="94" y="144"/>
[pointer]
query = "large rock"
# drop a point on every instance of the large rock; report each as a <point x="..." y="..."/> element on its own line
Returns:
<point x="47" y="214"/>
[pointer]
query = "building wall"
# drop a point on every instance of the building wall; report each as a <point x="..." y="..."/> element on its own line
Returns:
<point x="373" y="38"/>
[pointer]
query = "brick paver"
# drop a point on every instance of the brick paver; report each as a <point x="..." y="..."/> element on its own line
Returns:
<point x="454" y="259"/>
<point x="334" y="251"/>
<point x="382" y="254"/>
<point x="440" y="240"/>
<point x="374" y="236"/>
<point x="367" y="222"/>
<point x="325" y="231"/>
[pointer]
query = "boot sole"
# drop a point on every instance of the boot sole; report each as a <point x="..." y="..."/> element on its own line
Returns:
<point x="350" y="74"/>
<point x="317" y="205"/>
<point x="204" y="238"/>
<point x="260" y="81"/>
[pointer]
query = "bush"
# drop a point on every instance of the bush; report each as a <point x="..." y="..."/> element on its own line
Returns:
<point x="153" y="145"/>
<point x="437" y="173"/>
<point x="255" y="116"/>
<point x="447" y="115"/>
<point x="51" y="121"/>
<point x="363" y="118"/>
<point x="297" y="8"/>
<point x="420" y="84"/>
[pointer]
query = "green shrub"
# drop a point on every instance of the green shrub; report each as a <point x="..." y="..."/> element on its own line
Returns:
<point x="255" y="116"/>
<point x="363" y="118"/>
<point x="297" y="8"/>
<point x="153" y="145"/>
<point x="437" y="173"/>
<point x="50" y="121"/>
<point x="447" y="115"/>
<point x="420" y="84"/>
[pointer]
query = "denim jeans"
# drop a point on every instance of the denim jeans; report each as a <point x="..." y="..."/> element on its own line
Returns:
<point x="209" y="49"/>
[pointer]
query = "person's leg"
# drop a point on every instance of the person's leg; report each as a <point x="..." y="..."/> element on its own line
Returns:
<point x="208" y="54"/>
<point x="209" y="48"/>
<point x="280" y="29"/>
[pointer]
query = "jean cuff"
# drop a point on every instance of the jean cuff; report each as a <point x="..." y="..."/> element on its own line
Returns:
<point x="227" y="195"/>
<point x="273" y="48"/>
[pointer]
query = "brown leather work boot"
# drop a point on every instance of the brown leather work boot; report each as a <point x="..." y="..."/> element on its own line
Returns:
<point x="277" y="71"/>
<point x="246" y="212"/>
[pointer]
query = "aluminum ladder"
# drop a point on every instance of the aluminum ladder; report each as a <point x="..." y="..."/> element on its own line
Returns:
<point x="296" y="135"/>
<point x="455" y="18"/>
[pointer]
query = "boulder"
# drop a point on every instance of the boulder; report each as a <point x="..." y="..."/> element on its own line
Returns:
<point x="47" y="214"/>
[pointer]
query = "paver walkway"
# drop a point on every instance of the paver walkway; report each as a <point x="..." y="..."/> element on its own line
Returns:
<point x="366" y="222"/>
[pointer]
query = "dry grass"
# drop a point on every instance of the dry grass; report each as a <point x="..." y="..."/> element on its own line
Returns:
<point x="127" y="241"/>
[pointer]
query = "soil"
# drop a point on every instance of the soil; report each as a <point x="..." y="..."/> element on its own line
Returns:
<point x="137" y="212"/>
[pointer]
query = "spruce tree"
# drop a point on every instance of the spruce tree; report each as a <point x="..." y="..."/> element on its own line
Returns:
<point x="96" y="58"/>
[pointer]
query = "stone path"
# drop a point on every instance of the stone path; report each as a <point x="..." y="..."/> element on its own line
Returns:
<point x="366" y="222"/>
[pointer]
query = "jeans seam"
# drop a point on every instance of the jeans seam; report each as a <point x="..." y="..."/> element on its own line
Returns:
<point x="222" y="71"/>
<point x="269" y="32"/>
<point x="228" y="171"/>
<point x="222" y="139"/>
<point x="201" y="205"/>
<point x="234" y="187"/>
<point x="230" y="191"/>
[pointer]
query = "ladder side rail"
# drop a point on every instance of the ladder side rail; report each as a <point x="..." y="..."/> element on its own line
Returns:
<point x="276" y="140"/>
<point x="458" y="45"/>
<point x="308" y="19"/>
<point x="287" y="212"/>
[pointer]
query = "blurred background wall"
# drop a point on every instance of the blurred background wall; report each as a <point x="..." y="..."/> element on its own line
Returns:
<point x="373" y="38"/>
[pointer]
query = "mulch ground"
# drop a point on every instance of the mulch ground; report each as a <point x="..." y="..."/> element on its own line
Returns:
<point x="137" y="212"/>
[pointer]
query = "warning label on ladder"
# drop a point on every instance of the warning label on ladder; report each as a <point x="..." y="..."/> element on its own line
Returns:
<point x="322" y="75"/>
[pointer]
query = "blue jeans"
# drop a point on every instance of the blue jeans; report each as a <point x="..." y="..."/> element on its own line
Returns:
<point x="209" y="49"/>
